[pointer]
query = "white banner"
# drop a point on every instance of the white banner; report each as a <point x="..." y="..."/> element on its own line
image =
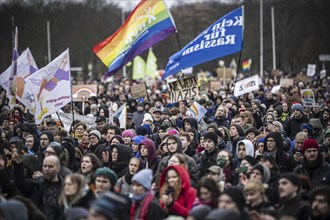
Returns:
<point x="66" y="119"/>
<point x="246" y="85"/>
<point x="121" y="114"/>
<point x="26" y="66"/>
<point x="311" y="70"/>
<point x="54" y="90"/>
<point x="275" y="89"/>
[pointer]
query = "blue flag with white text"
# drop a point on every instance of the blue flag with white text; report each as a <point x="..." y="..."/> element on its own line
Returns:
<point x="222" y="38"/>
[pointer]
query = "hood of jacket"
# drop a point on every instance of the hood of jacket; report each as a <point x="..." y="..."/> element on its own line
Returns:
<point x="150" y="145"/>
<point x="181" y="171"/>
<point x="179" y="143"/>
<point x="249" y="149"/>
<point x="191" y="121"/>
<point x="278" y="139"/>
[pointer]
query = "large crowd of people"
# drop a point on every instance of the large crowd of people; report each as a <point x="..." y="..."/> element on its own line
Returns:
<point x="262" y="155"/>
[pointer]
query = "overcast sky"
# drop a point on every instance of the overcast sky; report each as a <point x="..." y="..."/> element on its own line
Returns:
<point x="130" y="4"/>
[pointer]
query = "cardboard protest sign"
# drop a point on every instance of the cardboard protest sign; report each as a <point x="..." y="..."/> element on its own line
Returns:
<point x="224" y="73"/>
<point x="139" y="90"/>
<point x="215" y="85"/>
<point x="286" y="82"/>
<point x="183" y="89"/>
<point x="81" y="93"/>
<point x="301" y="78"/>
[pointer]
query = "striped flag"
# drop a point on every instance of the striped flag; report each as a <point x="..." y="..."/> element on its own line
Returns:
<point x="149" y="23"/>
<point x="246" y="65"/>
<point x="196" y="111"/>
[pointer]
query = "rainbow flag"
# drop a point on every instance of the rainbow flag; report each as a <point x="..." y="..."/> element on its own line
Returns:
<point x="246" y="65"/>
<point x="149" y="23"/>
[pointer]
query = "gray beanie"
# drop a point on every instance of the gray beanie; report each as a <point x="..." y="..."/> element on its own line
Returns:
<point x="264" y="172"/>
<point x="298" y="106"/>
<point x="144" y="177"/>
<point x="95" y="133"/>
<point x="13" y="210"/>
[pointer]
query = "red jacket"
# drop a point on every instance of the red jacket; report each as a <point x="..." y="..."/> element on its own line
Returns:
<point x="184" y="203"/>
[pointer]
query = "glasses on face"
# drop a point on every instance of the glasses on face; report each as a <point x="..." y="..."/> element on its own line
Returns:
<point x="171" y="143"/>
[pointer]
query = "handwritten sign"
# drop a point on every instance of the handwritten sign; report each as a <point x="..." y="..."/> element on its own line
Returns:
<point x="183" y="89"/>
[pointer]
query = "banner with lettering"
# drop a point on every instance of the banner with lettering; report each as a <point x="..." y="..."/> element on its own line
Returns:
<point x="54" y="90"/>
<point x="246" y="85"/>
<point x="222" y="38"/>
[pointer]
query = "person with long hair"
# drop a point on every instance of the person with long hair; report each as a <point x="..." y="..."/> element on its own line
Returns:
<point x="89" y="165"/>
<point x="177" y="196"/>
<point x="75" y="193"/>
<point x="208" y="193"/>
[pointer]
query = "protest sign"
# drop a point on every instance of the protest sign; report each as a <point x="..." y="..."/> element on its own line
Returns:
<point x="286" y="82"/>
<point x="183" y="89"/>
<point x="139" y="90"/>
<point x="308" y="98"/>
<point x="311" y="70"/>
<point x="246" y="85"/>
<point x="81" y="93"/>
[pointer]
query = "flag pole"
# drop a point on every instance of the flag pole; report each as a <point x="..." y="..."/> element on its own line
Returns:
<point x="178" y="39"/>
<point x="240" y="53"/>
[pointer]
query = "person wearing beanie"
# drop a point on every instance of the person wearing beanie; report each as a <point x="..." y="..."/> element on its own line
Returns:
<point x="233" y="199"/>
<point x="313" y="165"/>
<point x="307" y="128"/>
<point x="291" y="203"/>
<point x="261" y="173"/>
<point x="127" y="136"/>
<point x="13" y="210"/>
<point x="45" y="138"/>
<point x="110" y="206"/>
<point x="105" y="180"/>
<point x="144" y="206"/>
<point x="259" y="145"/>
<point x="136" y="141"/>
<point x="95" y="140"/>
<point x="292" y="126"/>
<point x="56" y="149"/>
<point x="199" y="212"/>
<point x="139" y="114"/>
<point x="210" y="154"/>
<point x="142" y="131"/>
<point x="318" y="131"/>
<point x="236" y="134"/>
